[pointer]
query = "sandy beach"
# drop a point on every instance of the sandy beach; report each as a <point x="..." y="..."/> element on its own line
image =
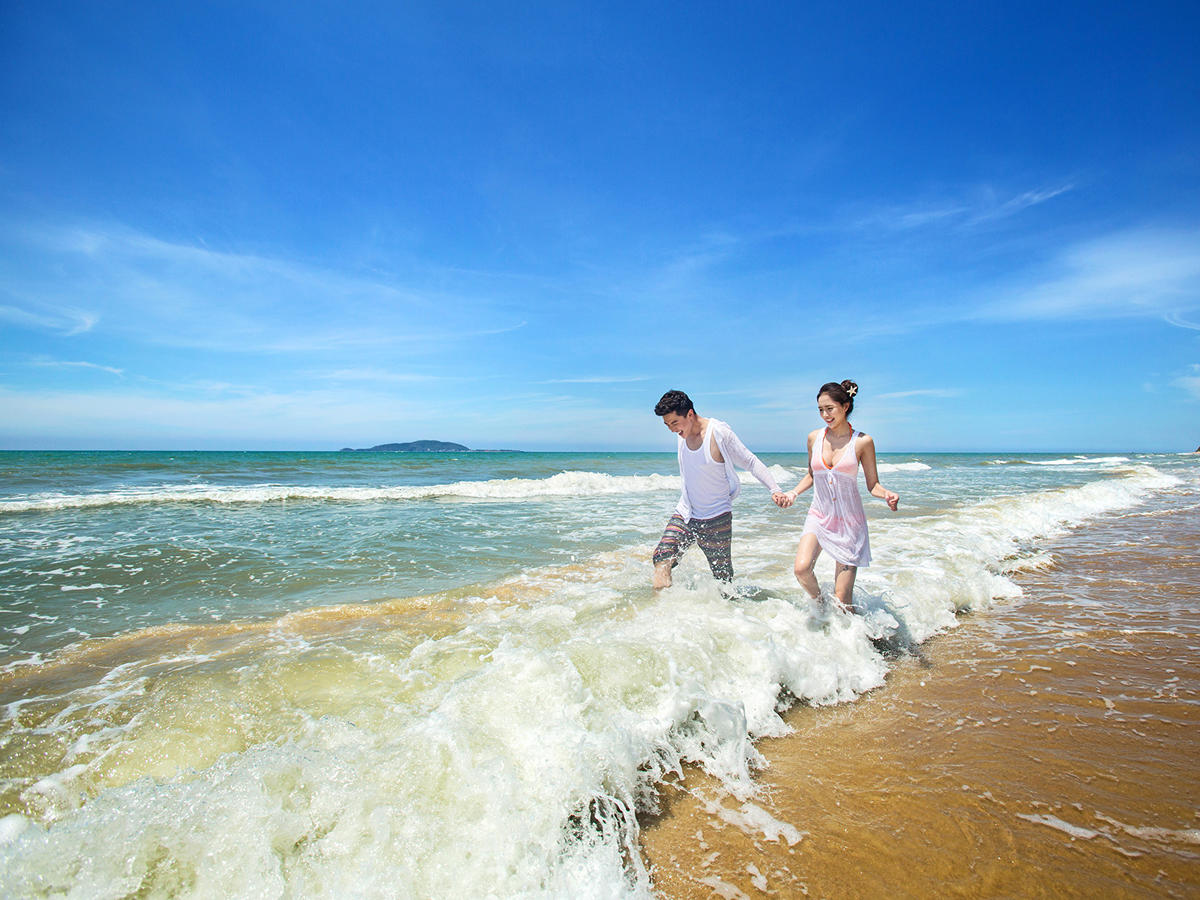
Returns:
<point x="1045" y="748"/>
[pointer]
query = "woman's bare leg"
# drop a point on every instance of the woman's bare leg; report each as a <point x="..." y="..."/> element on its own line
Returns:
<point x="806" y="558"/>
<point x="843" y="585"/>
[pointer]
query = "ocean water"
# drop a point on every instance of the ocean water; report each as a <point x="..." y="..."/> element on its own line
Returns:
<point x="441" y="675"/>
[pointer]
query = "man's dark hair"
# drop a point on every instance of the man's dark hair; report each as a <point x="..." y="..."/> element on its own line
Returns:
<point x="673" y="402"/>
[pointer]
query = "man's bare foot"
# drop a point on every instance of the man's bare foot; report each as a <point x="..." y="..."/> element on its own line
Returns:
<point x="662" y="576"/>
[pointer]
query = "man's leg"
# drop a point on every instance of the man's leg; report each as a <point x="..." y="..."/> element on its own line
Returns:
<point x="675" y="540"/>
<point x="715" y="537"/>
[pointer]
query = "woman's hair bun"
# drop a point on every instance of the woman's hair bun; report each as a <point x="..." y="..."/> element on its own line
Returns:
<point x="850" y="387"/>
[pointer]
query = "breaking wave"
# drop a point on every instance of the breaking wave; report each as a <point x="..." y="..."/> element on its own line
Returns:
<point x="561" y="485"/>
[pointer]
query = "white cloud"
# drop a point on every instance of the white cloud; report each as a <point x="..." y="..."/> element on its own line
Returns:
<point x="1137" y="273"/>
<point x="902" y="218"/>
<point x="973" y="207"/>
<point x="378" y="375"/>
<point x="1021" y="202"/>
<point x="65" y="321"/>
<point x="598" y="379"/>
<point x="239" y="417"/>
<point x="316" y="341"/>
<point x="184" y="294"/>
<point x="306" y="418"/>
<point x="922" y="392"/>
<point x="1174" y="318"/>
<point x="1151" y="273"/>
<point x="1190" y="383"/>
<point x="60" y="363"/>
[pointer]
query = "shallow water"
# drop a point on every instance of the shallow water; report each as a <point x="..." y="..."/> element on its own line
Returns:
<point x="433" y="676"/>
<point x="1046" y="748"/>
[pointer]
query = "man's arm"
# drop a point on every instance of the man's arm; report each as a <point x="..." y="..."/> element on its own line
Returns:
<point x="806" y="482"/>
<point x="742" y="457"/>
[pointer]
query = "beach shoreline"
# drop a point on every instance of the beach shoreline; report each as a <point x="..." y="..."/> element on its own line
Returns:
<point x="1043" y="748"/>
<point x="333" y="669"/>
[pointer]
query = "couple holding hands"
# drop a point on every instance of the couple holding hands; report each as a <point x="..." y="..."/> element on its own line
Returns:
<point x="836" y="523"/>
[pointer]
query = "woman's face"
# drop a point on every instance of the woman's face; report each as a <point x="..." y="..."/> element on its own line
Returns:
<point x="831" y="411"/>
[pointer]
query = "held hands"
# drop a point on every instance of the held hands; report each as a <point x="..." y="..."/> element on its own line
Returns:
<point x="784" y="499"/>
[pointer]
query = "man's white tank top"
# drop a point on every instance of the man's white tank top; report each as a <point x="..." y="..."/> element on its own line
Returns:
<point x="707" y="483"/>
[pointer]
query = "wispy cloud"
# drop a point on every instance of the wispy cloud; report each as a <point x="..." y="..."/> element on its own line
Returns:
<point x="975" y="207"/>
<point x="344" y="339"/>
<point x="1190" y="383"/>
<point x="377" y="375"/>
<point x="597" y="379"/>
<point x="1174" y="318"/>
<point x="922" y="392"/>
<point x="1023" y="201"/>
<point x="903" y="218"/>
<point x="63" y="321"/>
<point x="1153" y="273"/>
<point x="322" y="414"/>
<point x="1148" y="273"/>
<point x="186" y="294"/>
<point x="62" y="363"/>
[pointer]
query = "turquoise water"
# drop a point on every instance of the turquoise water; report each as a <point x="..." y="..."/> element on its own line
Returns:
<point x="440" y="675"/>
<point x="100" y="543"/>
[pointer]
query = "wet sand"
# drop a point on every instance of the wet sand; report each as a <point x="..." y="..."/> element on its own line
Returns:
<point x="1048" y="747"/>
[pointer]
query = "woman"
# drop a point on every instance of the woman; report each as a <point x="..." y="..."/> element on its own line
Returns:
<point x="836" y="522"/>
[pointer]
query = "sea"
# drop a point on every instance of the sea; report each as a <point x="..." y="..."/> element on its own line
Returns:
<point x="446" y="675"/>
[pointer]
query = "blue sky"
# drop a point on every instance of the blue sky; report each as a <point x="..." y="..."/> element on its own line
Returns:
<point x="313" y="225"/>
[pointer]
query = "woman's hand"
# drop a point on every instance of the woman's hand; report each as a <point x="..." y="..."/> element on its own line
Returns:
<point x="892" y="499"/>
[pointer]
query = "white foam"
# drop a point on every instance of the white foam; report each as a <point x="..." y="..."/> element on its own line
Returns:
<point x="754" y="821"/>
<point x="1153" y="833"/>
<point x="454" y="767"/>
<point x="722" y="889"/>
<point x="1077" y="460"/>
<point x="503" y="757"/>
<point x="925" y="570"/>
<point x="1080" y="461"/>
<point x="886" y="468"/>
<point x="1075" y="831"/>
<point x="11" y="827"/>
<point x="563" y="484"/>
<point x="782" y="474"/>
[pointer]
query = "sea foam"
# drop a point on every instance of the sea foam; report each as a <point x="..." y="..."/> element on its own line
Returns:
<point x="563" y="484"/>
<point x="495" y="744"/>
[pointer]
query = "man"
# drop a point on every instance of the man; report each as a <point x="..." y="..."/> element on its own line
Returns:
<point x="708" y="451"/>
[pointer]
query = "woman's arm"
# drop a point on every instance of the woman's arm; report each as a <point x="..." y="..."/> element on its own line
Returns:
<point x="866" y="455"/>
<point x="789" y="497"/>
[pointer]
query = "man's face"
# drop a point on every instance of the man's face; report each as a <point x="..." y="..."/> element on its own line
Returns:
<point x="685" y="426"/>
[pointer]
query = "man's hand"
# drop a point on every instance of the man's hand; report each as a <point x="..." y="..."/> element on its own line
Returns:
<point x="783" y="499"/>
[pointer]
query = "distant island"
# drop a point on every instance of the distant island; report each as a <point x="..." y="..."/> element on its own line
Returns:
<point x="410" y="447"/>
